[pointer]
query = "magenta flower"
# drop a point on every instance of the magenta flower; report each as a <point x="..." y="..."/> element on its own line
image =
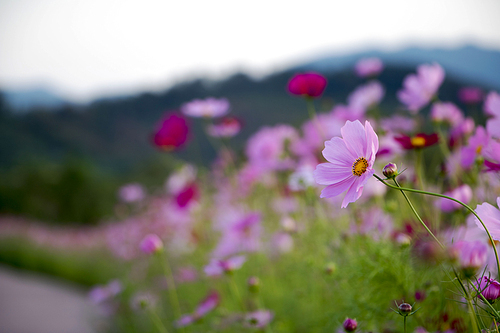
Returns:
<point x="491" y="218"/>
<point x="172" y="133"/>
<point x="151" y="244"/>
<point x="368" y="67"/>
<point x="470" y="95"/>
<point x="208" y="108"/>
<point x="419" y="89"/>
<point x="489" y="288"/>
<point x="350" y="160"/>
<point x="307" y="84"/>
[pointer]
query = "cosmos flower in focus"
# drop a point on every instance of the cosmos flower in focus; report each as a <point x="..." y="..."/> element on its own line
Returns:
<point x="350" y="162"/>
<point x="307" y="84"/>
<point x="172" y="133"/>
<point x="489" y="288"/>
<point x="369" y="67"/>
<point x="208" y="108"/>
<point x="421" y="140"/>
<point x="418" y="89"/>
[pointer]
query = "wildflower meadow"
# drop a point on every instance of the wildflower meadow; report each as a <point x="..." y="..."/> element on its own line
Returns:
<point x="354" y="222"/>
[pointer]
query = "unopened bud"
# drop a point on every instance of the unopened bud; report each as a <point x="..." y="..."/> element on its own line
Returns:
<point x="390" y="170"/>
<point x="330" y="268"/>
<point x="405" y="308"/>
<point x="350" y="325"/>
<point x="253" y="284"/>
<point x="151" y="244"/>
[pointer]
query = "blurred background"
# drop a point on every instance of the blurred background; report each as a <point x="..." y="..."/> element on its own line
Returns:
<point x="83" y="85"/>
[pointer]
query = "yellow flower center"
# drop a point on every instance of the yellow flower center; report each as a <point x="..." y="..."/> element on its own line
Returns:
<point x="479" y="149"/>
<point x="359" y="167"/>
<point x="417" y="141"/>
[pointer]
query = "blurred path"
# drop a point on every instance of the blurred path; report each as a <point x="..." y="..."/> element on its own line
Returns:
<point x="37" y="304"/>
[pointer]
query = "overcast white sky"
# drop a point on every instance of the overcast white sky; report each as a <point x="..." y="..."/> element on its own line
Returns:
<point x="87" y="48"/>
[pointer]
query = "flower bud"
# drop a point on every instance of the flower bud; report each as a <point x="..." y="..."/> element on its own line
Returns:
<point x="405" y="308"/>
<point x="390" y="170"/>
<point x="151" y="244"/>
<point x="253" y="284"/>
<point x="330" y="268"/>
<point x="350" y="325"/>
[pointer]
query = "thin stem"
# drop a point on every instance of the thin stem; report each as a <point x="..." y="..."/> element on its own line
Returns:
<point x="404" y="320"/>
<point x="485" y="300"/>
<point x="172" y="290"/>
<point x="310" y="108"/>
<point x="416" y="214"/>
<point x="235" y="292"/>
<point x="452" y="199"/>
<point x="157" y="321"/>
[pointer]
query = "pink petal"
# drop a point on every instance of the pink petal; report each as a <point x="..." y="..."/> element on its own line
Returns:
<point x="371" y="141"/>
<point x="335" y="189"/>
<point x="328" y="174"/>
<point x="336" y="152"/>
<point x="352" y="194"/>
<point x="354" y="136"/>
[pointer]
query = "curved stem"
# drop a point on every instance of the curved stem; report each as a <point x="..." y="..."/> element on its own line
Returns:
<point x="452" y="199"/>
<point x="416" y="214"/>
<point x="405" y="322"/>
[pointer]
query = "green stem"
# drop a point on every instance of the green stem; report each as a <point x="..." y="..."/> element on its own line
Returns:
<point x="157" y="321"/>
<point x="310" y="108"/>
<point x="404" y="320"/>
<point x="485" y="300"/>
<point x="417" y="215"/>
<point x="452" y="199"/>
<point x="172" y="290"/>
<point x="235" y="292"/>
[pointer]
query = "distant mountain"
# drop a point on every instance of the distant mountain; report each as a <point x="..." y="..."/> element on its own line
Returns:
<point x="27" y="99"/>
<point x="469" y="63"/>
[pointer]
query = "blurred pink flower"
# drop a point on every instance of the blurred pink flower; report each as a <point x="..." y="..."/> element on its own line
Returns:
<point x="208" y="108"/>
<point x="151" y="244"/>
<point x="131" y="193"/>
<point x="462" y="193"/>
<point x="268" y="149"/>
<point x="491" y="218"/>
<point x="477" y="142"/>
<point x="366" y="96"/>
<point x="398" y="123"/>
<point x="419" y="89"/>
<point x="470" y="95"/>
<point x="346" y="112"/>
<point x="492" y="104"/>
<point x="258" y="319"/>
<point x="369" y="67"/>
<point x="226" y="128"/>
<point x="218" y="267"/>
<point x="491" y="154"/>
<point x="242" y="235"/>
<point x="350" y="160"/>
<point x="470" y="255"/>
<point x="446" y="112"/>
<point x="205" y="306"/>
<point x="172" y="133"/>
<point x="307" y="84"/>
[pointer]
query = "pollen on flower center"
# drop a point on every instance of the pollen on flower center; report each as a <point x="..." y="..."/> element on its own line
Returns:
<point x="359" y="167"/>
<point x="418" y="141"/>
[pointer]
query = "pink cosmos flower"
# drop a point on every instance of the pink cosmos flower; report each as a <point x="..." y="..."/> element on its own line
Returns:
<point x="470" y="95"/>
<point x="345" y="112"/>
<point x="470" y="255"/>
<point x="474" y="147"/>
<point x="259" y="318"/>
<point x="307" y="84"/>
<point x="206" y="305"/>
<point x="492" y="104"/>
<point x="491" y="218"/>
<point x="131" y="193"/>
<point x="350" y="160"/>
<point x="218" y="267"/>
<point x="462" y="193"/>
<point x="242" y="235"/>
<point x="151" y="244"/>
<point x="491" y="154"/>
<point x="208" y="108"/>
<point x="489" y="288"/>
<point x="227" y="128"/>
<point x="446" y="112"/>
<point x="368" y="67"/>
<point x="366" y="96"/>
<point x="419" y="89"/>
